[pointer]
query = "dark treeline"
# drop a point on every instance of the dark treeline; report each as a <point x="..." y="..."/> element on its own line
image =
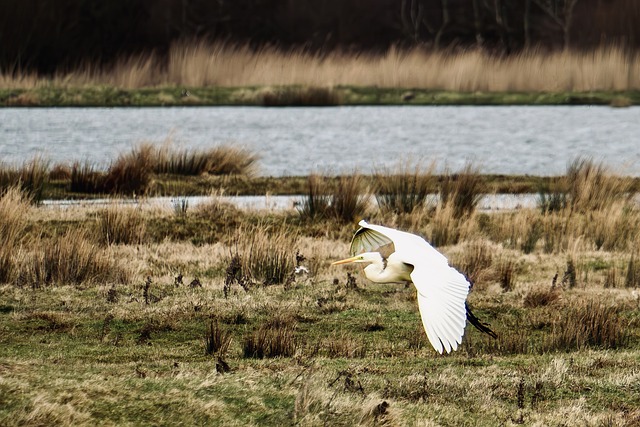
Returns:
<point x="46" y="35"/>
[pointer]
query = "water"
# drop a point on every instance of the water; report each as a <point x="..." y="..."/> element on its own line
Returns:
<point x="297" y="141"/>
<point x="488" y="202"/>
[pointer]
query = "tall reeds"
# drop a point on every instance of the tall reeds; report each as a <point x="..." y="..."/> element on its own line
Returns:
<point x="608" y="68"/>
<point x="219" y="160"/>
<point x="462" y="190"/>
<point x="70" y="259"/>
<point x="31" y="177"/>
<point x="263" y="255"/>
<point x="121" y="225"/>
<point x="406" y="188"/>
<point x="13" y="209"/>
<point x="345" y="201"/>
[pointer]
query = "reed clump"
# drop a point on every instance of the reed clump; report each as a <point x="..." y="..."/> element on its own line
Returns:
<point x="220" y="160"/>
<point x="265" y="256"/>
<point x="274" y="338"/>
<point x="345" y="202"/>
<point x="31" y="177"/>
<point x="86" y="178"/>
<point x="69" y="259"/>
<point x="217" y="340"/>
<point x="14" y="206"/>
<point x="407" y="188"/>
<point x="130" y="174"/>
<point x="118" y="225"/>
<point x="463" y="190"/>
<point x="133" y="173"/>
<point x="591" y="187"/>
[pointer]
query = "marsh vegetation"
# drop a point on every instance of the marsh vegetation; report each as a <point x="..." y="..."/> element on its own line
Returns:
<point x="222" y="316"/>
<point x="217" y="74"/>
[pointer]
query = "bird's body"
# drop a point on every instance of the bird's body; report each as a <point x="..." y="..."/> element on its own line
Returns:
<point x="442" y="290"/>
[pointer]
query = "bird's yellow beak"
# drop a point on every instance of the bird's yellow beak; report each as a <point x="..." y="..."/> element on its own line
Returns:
<point x="347" y="260"/>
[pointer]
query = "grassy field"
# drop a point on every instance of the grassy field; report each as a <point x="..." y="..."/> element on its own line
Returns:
<point x="141" y="316"/>
<point x="201" y="74"/>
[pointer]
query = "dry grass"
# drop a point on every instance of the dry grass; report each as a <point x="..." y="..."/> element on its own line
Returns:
<point x="264" y="256"/>
<point x="326" y="347"/>
<point x="201" y="64"/>
<point x="345" y="202"/>
<point x="70" y="259"/>
<point x="462" y="190"/>
<point x="275" y="338"/>
<point x="406" y="189"/>
<point x="31" y="177"/>
<point x="220" y="160"/>
<point x="589" y="325"/>
<point x="591" y="187"/>
<point x="121" y="225"/>
<point x="130" y="174"/>
<point x="14" y="207"/>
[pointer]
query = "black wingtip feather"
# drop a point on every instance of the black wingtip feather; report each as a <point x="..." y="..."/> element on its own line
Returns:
<point x="482" y="327"/>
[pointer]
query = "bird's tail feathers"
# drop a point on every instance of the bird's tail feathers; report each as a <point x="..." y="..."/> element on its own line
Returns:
<point x="482" y="327"/>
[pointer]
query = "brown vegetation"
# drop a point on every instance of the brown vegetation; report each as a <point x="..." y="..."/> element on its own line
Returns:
<point x="202" y="64"/>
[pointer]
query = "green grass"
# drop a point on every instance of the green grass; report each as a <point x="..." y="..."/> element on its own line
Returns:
<point x="94" y="96"/>
<point x="69" y="357"/>
<point x="129" y="343"/>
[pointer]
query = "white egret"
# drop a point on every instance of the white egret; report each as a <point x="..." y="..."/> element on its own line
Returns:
<point x="442" y="290"/>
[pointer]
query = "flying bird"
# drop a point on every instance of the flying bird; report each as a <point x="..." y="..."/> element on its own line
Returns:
<point x="442" y="290"/>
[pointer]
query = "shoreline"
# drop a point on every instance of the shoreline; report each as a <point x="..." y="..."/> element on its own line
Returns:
<point x="300" y="96"/>
<point x="233" y="185"/>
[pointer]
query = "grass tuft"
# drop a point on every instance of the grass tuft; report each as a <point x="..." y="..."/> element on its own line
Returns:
<point x="86" y="178"/>
<point x="220" y="160"/>
<point x="217" y="340"/>
<point x="275" y="338"/>
<point x="264" y="256"/>
<point x="591" y="187"/>
<point x="463" y="190"/>
<point x="31" y="177"/>
<point x="14" y="207"/>
<point x="405" y="189"/>
<point x="118" y="224"/>
<point x="589" y="325"/>
<point x="70" y="259"/>
<point x="130" y="174"/>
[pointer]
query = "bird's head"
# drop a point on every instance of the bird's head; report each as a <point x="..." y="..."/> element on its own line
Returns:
<point x="363" y="257"/>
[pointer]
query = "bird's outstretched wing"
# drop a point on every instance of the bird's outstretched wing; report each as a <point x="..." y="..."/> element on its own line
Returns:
<point x="367" y="240"/>
<point x="370" y="237"/>
<point x="441" y="299"/>
<point x="442" y="290"/>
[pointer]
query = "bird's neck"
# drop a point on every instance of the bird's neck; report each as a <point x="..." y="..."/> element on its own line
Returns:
<point x="376" y="272"/>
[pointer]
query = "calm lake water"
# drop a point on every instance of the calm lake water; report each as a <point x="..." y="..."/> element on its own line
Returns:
<point x="297" y="141"/>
